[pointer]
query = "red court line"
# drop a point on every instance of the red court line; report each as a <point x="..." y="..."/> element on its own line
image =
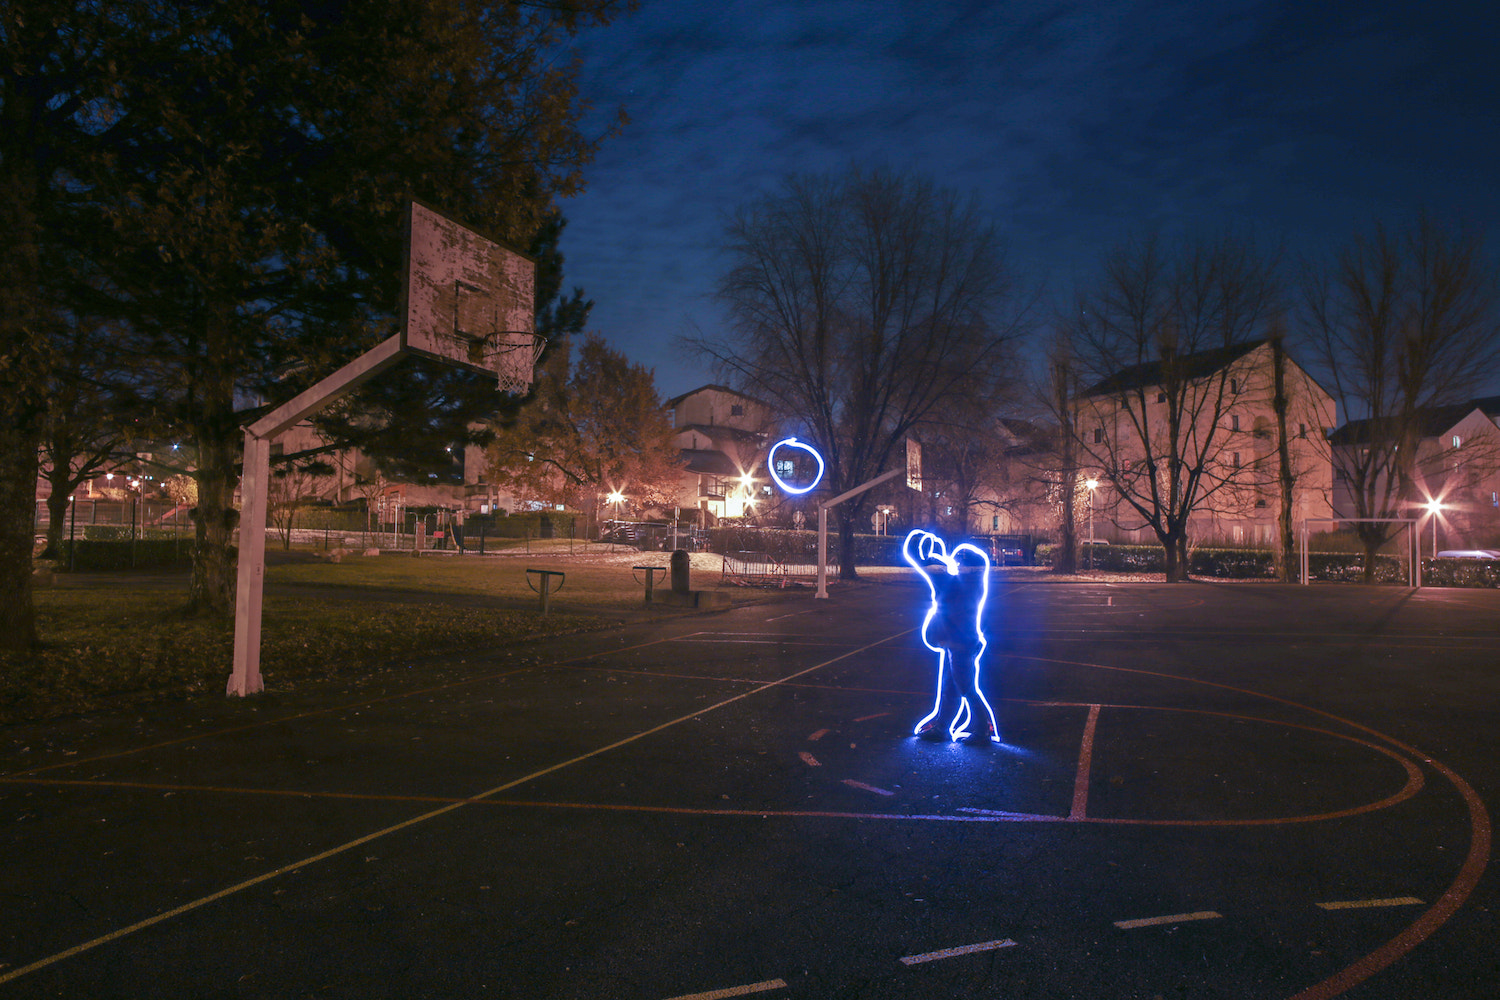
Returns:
<point x="1414" y="783"/>
<point x="1423" y="927"/>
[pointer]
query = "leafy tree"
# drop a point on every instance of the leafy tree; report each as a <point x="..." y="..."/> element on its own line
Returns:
<point x="592" y="428"/>
<point x="250" y="173"/>
<point x="857" y="303"/>
<point x="53" y="82"/>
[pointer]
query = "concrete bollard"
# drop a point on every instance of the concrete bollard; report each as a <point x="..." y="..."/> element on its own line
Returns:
<point x="681" y="569"/>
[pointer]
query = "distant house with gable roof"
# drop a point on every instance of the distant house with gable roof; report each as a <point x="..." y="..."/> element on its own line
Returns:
<point x="723" y="435"/>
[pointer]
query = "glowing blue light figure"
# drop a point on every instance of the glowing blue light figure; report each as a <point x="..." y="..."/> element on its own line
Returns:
<point x="953" y="628"/>
<point x="792" y="442"/>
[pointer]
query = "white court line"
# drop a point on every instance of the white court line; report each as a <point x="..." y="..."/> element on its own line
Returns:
<point x="866" y="788"/>
<point x="968" y="949"/>
<point x="434" y="814"/>
<point x="1361" y="904"/>
<point x="1176" y="918"/>
<point x="734" y="991"/>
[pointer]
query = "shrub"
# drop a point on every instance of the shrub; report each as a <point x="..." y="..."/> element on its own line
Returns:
<point x="156" y="552"/>
<point x="1460" y="573"/>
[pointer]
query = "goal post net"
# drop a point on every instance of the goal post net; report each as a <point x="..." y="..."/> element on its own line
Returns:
<point x="1340" y="536"/>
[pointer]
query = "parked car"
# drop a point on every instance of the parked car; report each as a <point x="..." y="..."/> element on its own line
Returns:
<point x="1469" y="554"/>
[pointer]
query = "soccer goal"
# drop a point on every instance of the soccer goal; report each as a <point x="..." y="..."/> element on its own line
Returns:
<point x="1409" y="544"/>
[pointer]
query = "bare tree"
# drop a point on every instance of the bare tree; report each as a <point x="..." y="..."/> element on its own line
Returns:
<point x="1168" y="336"/>
<point x="1399" y="324"/>
<point x="857" y="302"/>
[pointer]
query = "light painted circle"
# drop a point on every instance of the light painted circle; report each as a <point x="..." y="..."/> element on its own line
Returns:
<point x="792" y="442"/>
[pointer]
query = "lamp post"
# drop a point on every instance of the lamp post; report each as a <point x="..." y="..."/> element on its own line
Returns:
<point x="1433" y="506"/>
<point x="1092" y="484"/>
<point x="615" y="498"/>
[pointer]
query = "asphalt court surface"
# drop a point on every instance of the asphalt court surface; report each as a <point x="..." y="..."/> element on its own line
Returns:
<point x="1203" y="790"/>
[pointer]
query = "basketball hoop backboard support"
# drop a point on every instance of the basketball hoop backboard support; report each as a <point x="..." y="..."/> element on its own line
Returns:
<point x="467" y="300"/>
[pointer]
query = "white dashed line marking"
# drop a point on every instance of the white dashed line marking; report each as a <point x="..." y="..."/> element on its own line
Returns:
<point x="866" y="788"/>
<point x="867" y="718"/>
<point x="809" y="759"/>
<point x="968" y="949"/>
<point x="1176" y="918"/>
<point x="815" y="737"/>
<point x="734" y="991"/>
<point x="1362" y="904"/>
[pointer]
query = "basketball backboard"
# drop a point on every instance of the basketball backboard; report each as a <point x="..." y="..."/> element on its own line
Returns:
<point x="470" y="300"/>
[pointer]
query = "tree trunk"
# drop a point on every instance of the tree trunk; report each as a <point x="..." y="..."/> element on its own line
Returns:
<point x="18" y="469"/>
<point x="1286" y="545"/>
<point x="846" y="543"/>
<point x="1066" y="560"/>
<point x="1175" y="547"/>
<point x="215" y="562"/>
<point x="57" y="519"/>
<point x="1372" y="549"/>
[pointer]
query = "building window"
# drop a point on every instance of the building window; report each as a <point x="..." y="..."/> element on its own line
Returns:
<point x="1234" y="421"/>
<point x="1234" y="387"/>
<point x="1098" y="435"/>
<point x="1161" y="397"/>
<point x="1457" y="441"/>
<point x="1302" y="430"/>
<point x="736" y="410"/>
<point x="1494" y="499"/>
<point x="1236" y="460"/>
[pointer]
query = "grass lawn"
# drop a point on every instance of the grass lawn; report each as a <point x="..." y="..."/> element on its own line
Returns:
<point x="111" y="640"/>
<point x="596" y="576"/>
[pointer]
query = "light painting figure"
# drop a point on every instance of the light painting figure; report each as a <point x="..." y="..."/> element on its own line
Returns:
<point x="792" y="442"/>
<point x="959" y="583"/>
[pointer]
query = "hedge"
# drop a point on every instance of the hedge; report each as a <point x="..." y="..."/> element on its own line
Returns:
<point x="790" y="545"/>
<point x="146" y="553"/>
<point x="1244" y="564"/>
<point x="1461" y="572"/>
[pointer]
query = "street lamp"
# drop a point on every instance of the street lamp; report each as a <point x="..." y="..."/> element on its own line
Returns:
<point x="1092" y="484"/>
<point x="1433" y="506"/>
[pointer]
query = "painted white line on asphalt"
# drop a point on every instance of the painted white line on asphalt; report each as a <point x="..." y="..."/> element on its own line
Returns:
<point x="1361" y="904"/>
<point x="1176" y="918"/>
<point x="1003" y="813"/>
<point x="968" y="949"/>
<point x="734" y="991"/>
<point x="491" y="793"/>
<point x="866" y="788"/>
<point x="815" y="737"/>
<point x="809" y="759"/>
<point x="867" y="718"/>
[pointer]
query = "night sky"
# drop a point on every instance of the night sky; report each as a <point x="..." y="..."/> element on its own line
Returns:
<point x="1077" y="126"/>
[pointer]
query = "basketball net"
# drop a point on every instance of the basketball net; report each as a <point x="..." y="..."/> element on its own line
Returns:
<point x="515" y="363"/>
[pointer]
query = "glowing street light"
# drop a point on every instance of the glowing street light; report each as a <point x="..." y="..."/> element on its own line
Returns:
<point x="1433" y="506"/>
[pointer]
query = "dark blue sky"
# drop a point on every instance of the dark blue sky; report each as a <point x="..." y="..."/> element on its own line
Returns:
<point x="1076" y="125"/>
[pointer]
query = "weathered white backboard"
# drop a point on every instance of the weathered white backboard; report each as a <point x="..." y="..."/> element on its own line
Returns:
<point x="469" y="299"/>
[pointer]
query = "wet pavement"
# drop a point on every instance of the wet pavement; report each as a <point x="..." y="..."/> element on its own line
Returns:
<point x="1201" y="791"/>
